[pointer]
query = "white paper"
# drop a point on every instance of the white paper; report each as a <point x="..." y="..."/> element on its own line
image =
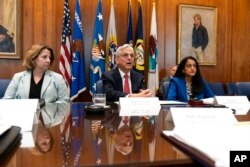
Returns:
<point x="170" y="102"/>
<point x="240" y="104"/>
<point x="18" y="112"/>
<point x="208" y="100"/>
<point x="27" y="140"/>
<point x="3" y="128"/>
<point x="139" y="106"/>
<point x="215" y="143"/>
<point x="197" y="117"/>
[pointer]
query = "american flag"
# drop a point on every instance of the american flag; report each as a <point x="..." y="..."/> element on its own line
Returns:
<point x="65" y="129"/>
<point x="65" y="51"/>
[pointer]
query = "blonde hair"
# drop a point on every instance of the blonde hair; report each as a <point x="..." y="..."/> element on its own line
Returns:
<point x="198" y="16"/>
<point x="33" y="53"/>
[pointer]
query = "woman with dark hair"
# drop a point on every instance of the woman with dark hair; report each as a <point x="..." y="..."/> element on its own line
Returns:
<point x="187" y="83"/>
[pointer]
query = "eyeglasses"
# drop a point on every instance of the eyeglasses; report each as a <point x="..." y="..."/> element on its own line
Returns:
<point x="126" y="55"/>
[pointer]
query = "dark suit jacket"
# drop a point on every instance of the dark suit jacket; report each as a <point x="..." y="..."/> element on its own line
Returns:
<point x="178" y="91"/>
<point x="112" y="84"/>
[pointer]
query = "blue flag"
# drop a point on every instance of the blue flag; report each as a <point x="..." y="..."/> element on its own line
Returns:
<point x="139" y="46"/>
<point x="78" y="80"/>
<point x="77" y="111"/>
<point x="130" y="30"/>
<point x="97" y="66"/>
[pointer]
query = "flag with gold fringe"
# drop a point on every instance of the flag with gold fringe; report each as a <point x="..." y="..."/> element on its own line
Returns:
<point x="139" y="46"/>
<point x="111" y="42"/>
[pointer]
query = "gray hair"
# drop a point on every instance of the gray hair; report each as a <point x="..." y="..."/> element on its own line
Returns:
<point x="120" y="48"/>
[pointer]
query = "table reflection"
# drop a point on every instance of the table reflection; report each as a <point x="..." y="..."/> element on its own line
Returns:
<point x="53" y="114"/>
<point x="44" y="140"/>
<point x="67" y="136"/>
<point x="112" y="136"/>
<point x="50" y="115"/>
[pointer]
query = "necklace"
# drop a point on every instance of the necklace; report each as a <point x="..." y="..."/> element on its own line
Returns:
<point x="189" y="89"/>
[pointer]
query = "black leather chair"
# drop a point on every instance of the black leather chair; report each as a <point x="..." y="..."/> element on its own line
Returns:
<point x="165" y="87"/>
<point x="217" y="88"/>
<point x="3" y="86"/>
<point x="99" y="86"/>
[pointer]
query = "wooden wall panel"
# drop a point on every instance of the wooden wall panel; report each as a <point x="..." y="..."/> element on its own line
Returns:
<point x="240" y="42"/>
<point x="161" y="39"/>
<point x="42" y="23"/>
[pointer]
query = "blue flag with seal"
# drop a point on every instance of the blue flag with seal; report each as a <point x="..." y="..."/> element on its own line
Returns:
<point x="139" y="46"/>
<point x="78" y="80"/>
<point x="97" y="65"/>
<point x="130" y="30"/>
<point x="77" y="111"/>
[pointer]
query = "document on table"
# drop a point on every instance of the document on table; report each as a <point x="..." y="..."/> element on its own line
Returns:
<point x="18" y="112"/>
<point x="171" y="102"/>
<point x="239" y="104"/>
<point x="139" y="106"/>
<point x="208" y="100"/>
<point x="21" y="113"/>
<point x="201" y="117"/>
<point x="215" y="143"/>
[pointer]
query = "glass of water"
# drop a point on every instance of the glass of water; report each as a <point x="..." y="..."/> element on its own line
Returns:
<point x="99" y="100"/>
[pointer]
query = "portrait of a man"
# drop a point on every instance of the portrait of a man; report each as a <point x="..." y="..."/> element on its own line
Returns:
<point x="197" y="30"/>
<point x="6" y="40"/>
<point x="9" y="28"/>
<point x="199" y="38"/>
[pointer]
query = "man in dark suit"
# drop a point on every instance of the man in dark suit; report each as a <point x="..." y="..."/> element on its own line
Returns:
<point x="199" y="38"/>
<point x="122" y="81"/>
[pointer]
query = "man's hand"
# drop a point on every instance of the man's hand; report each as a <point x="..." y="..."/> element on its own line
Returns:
<point x="143" y="93"/>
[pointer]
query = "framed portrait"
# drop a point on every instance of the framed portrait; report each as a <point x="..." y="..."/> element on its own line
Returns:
<point x="10" y="29"/>
<point x="197" y="33"/>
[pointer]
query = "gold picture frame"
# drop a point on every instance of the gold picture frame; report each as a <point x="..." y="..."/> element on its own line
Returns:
<point x="187" y="44"/>
<point x="10" y="29"/>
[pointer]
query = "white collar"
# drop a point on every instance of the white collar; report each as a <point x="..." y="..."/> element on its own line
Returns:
<point x="122" y="73"/>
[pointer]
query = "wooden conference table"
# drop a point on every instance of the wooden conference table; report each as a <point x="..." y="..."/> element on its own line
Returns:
<point x="80" y="139"/>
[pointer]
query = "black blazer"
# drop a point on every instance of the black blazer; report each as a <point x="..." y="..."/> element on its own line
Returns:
<point x="112" y="84"/>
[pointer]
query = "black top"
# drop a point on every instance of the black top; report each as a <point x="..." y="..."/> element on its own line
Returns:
<point x="200" y="37"/>
<point x="35" y="89"/>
